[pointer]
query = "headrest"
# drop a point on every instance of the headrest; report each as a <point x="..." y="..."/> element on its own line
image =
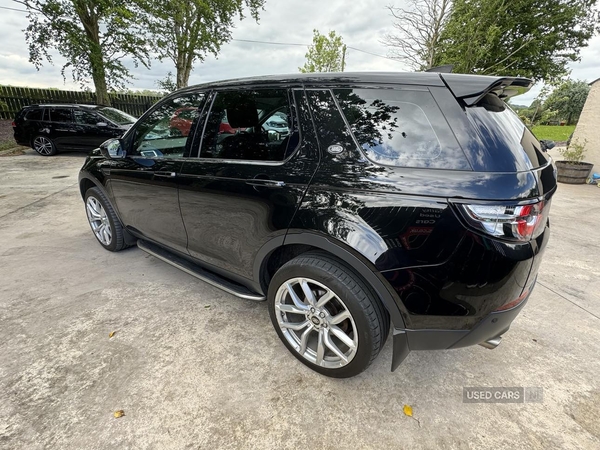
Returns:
<point x="243" y="114"/>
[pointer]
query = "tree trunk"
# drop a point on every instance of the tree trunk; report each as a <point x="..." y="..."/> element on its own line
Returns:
<point x="182" y="78"/>
<point x="89" y="20"/>
<point x="99" y="77"/>
<point x="184" y="68"/>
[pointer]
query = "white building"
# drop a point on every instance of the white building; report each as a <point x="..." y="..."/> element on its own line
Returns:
<point x="588" y="127"/>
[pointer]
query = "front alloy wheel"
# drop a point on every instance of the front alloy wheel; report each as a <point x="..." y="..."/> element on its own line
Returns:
<point x="316" y="323"/>
<point x="98" y="220"/>
<point x="104" y="221"/>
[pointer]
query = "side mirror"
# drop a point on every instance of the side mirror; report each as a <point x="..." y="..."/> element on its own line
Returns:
<point x="547" y="145"/>
<point x="112" y="149"/>
<point x="102" y="124"/>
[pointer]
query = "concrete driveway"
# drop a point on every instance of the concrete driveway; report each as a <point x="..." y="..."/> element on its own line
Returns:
<point x="193" y="367"/>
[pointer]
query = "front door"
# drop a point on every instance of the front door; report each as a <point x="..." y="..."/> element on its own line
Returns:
<point x="250" y="176"/>
<point x="88" y="135"/>
<point x="144" y="183"/>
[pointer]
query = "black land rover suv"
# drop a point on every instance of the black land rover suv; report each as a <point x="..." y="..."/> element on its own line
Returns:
<point x="412" y="200"/>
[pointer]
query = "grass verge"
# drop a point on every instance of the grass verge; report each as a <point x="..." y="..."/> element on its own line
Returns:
<point x="553" y="133"/>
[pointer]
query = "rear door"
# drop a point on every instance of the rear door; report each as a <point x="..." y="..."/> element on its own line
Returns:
<point x="62" y="128"/>
<point x="247" y="183"/>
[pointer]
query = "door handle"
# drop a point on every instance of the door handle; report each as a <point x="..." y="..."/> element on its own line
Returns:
<point x="165" y="174"/>
<point x="259" y="182"/>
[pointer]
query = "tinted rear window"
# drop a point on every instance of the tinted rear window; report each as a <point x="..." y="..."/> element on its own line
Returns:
<point x="60" y="115"/>
<point x="34" y="114"/>
<point x="512" y="145"/>
<point x="401" y="128"/>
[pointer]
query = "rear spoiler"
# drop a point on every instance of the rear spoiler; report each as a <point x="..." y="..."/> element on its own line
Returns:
<point x="471" y="88"/>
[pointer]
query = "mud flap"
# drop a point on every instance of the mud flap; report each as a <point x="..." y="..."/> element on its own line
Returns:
<point x="401" y="349"/>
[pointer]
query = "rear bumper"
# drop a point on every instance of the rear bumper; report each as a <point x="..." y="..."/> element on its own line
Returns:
<point x="20" y="138"/>
<point x="488" y="329"/>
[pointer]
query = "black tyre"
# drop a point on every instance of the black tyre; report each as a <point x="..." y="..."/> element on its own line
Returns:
<point x="326" y="315"/>
<point x="44" y="146"/>
<point x="103" y="220"/>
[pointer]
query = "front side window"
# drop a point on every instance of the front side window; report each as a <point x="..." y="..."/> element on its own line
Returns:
<point x="165" y="131"/>
<point x="83" y="117"/>
<point x="60" y="115"/>
<point x="254" y="125"/>
<point x="402" y="128"/>
<point x="116" y="115"/>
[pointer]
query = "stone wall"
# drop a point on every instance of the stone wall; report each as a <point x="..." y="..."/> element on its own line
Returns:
<point x="588" y="127"/>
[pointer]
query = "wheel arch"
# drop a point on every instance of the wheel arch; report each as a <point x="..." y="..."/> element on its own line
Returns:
<point x="88" y="181"/>
<point x="284" y="248"/>
<point x="84" y="185"/>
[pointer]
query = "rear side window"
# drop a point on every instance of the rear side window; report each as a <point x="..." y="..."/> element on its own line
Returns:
<point x="330" y="126"/>
<point x="402" y="128"/>
<point x="252" y="125"/>
<point x="60" y="115"/>
<point x="34" y="114"/>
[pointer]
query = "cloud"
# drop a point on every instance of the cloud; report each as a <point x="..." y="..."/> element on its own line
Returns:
<point x="279" y="22"/>
<point x="361" y="23"/>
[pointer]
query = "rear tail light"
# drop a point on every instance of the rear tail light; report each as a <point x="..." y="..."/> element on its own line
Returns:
<point x="520" y="223"/>
<point x="13" y="124"/>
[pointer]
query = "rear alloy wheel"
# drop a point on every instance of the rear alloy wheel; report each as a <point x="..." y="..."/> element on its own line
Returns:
<point x="316" y="323"/>
<point x="44" y="146"/>
<point x="326" y="316"/>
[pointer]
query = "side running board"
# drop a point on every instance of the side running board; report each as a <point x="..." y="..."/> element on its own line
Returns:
<point x="196" y="271"/>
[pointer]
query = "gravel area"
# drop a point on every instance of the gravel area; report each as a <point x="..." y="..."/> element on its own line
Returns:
<point x="6" y="132"/>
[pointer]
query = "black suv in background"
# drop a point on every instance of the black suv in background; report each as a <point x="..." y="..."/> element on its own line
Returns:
<point x="418" y="201"/>
<point x="49" y="129"/>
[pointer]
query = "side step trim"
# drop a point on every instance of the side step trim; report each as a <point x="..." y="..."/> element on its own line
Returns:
<point x="196" y="271"/>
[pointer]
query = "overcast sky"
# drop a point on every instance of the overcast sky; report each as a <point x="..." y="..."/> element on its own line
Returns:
<point x="361" y="23"/>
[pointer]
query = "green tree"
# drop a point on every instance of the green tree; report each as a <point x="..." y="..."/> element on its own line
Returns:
<point x="520" y="37"/>
<point x="92" y="35"/>
<point x="568" y="100"/>
<point x="167" y="84"/>
<point x="185" y="31"/>
<point x="326" y="54"/>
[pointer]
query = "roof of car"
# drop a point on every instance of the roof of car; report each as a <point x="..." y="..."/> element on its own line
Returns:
<point x="62" y="105"/>
<point x="417" y="78"/>
<point x="462" y="85"/>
